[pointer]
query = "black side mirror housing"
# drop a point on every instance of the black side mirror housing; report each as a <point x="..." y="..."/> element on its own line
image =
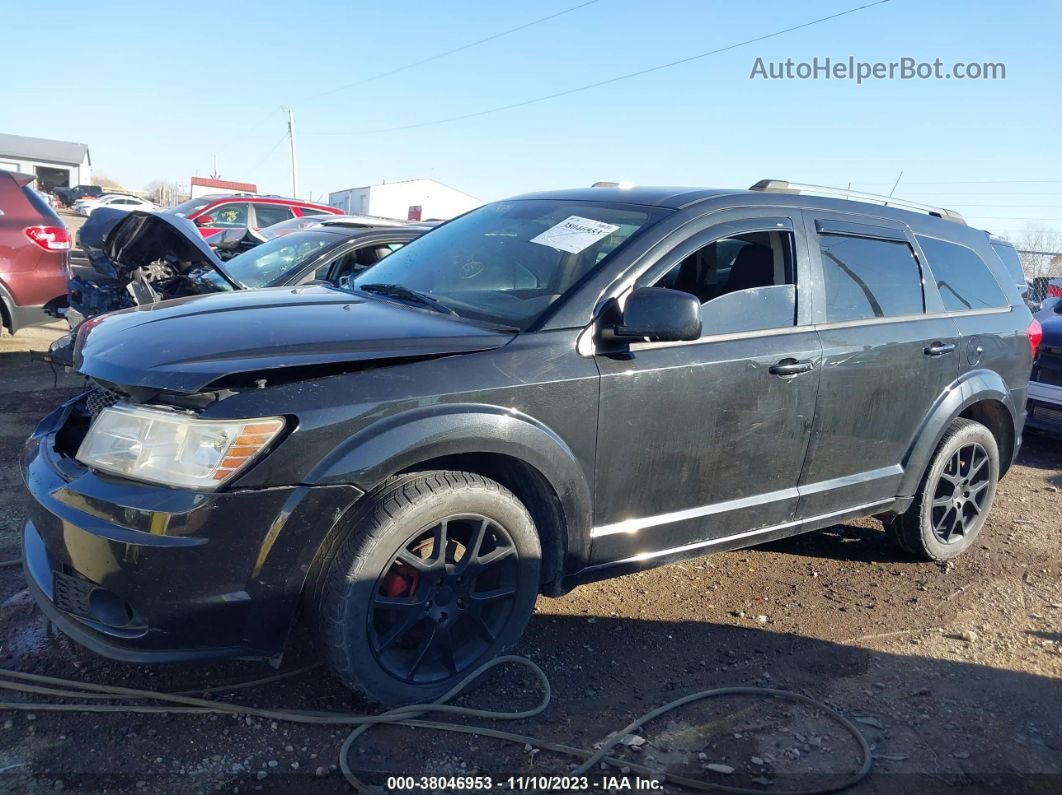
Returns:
<point x="658" y="314"/>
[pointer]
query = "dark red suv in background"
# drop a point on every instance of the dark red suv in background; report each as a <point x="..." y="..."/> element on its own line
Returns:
<point x="34" y="246"/>
<point x="221" y="211"/>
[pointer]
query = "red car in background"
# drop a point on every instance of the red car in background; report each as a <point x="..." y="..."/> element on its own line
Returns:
<point x="34" y="246"/>
<point x="215" y="213"/>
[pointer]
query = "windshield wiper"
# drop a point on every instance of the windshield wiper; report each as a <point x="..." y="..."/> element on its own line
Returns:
<point x="405" y="294"/>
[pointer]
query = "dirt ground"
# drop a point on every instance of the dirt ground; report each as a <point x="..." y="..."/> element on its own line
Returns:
<point x="952" y="672"/>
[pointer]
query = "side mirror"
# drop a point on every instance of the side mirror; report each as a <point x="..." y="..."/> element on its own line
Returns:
<point x="657" y="314"/>
<point x="204" y="220"/>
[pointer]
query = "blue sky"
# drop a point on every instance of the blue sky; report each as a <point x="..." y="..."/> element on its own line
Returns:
<point x="157" y="90"/>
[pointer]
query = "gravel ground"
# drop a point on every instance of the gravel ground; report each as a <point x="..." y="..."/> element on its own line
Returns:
<point x="952" y="672"/>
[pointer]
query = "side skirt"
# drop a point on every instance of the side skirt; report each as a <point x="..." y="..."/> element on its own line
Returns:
<point x="616" y="568"/>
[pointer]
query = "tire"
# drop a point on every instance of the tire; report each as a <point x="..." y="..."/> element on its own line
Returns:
<point x="401" y="624"/>
<point x="954" y="497"/>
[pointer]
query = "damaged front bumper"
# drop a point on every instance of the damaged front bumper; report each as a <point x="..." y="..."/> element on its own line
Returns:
<point x="142" y="573"/>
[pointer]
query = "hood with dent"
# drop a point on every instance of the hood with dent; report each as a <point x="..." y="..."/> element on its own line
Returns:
<point x="118" y="242"/>
<point x="187" y="344"/>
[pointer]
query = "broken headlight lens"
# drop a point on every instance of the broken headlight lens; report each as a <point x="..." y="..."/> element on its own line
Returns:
<point x="174" y="449"/>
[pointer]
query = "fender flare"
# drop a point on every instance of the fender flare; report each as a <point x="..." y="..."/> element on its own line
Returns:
<point x="971" y="387"/>
<point x="405" y="440"/>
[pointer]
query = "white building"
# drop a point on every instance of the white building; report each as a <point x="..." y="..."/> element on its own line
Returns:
<point x="56" y="164"/>
<point x="409" y="200"/>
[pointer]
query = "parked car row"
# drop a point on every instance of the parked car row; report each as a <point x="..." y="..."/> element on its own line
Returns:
<point x="404" y="436"/>
<point x="122" y="202"/>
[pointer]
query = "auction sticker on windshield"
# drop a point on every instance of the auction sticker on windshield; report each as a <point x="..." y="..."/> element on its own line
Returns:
<point x="574" y="233"/>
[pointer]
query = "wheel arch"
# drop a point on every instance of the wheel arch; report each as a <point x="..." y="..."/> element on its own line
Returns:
<point x="979" y="395"/>
<point x="513" y="448"/>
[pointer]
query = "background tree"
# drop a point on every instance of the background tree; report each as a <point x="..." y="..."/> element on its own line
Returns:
<point x="1042" y="238"/>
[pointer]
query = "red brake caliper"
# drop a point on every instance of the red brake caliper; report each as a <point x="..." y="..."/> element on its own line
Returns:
<point x="402" y="580"/>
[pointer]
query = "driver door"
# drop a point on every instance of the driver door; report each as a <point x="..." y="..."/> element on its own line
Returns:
<point x="701" y="443"/>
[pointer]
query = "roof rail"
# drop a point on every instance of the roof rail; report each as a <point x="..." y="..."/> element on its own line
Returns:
<point x="782" y="186"/>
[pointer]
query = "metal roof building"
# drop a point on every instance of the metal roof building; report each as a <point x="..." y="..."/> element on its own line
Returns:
<point x="56" y="164"/>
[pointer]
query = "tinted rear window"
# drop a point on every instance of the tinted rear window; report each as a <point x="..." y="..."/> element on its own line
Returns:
<point x="962" y="277"/>
<point x="868" y="278"/>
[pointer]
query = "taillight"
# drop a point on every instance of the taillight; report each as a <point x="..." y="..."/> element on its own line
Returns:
<point x="1035" y="333"/>
<point x="50" y="238"/>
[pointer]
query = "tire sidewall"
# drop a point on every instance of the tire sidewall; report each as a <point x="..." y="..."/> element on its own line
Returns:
<point x="974" y="433"/>
<point x="379" y="545"/>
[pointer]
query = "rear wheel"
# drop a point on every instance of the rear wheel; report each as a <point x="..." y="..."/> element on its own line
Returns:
<point x="955" y="496"/>
<point x="438" y="574"/>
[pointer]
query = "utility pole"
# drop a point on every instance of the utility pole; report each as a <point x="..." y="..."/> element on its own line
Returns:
<point x="291" y="142"/>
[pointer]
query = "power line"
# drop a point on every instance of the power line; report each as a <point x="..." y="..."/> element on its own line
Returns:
<point x="272" y="149"/>
<point x="611" y="80"/>
<point x="437" y="56"/>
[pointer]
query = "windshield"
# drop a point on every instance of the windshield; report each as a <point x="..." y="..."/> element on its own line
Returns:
<point x="507" y="262"/>
<point x="185" y="209"/>
<point x="272" y="263"/>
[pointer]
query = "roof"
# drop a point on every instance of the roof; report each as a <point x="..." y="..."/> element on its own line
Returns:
<point x="682" y="198"/>
<point x="43" y="149"/>
<point x="224" y="184"/>
<point x="675" y="198"/>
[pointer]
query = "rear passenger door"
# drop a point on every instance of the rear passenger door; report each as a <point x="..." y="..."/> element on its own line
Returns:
<point x="889" y="352"/>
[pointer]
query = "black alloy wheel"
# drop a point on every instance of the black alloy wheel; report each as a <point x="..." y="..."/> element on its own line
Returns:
<point x="444" y="599"/>
<point x="960" y="493"/>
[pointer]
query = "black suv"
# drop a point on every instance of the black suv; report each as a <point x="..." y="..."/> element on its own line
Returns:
<point x="547" y="390"/>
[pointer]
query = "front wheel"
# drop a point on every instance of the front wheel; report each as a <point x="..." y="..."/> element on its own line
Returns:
<point x="955" y="496"/>
<point x="437" y="575"/>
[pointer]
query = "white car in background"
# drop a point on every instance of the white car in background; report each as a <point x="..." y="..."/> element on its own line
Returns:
<point x="118" y="201"/>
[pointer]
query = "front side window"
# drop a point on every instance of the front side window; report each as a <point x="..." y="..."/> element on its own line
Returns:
<point x="744" y="282"/>
<point x="508" y="262"/>
<point x="963" y="279"/>
<point x="868" y="278"/>
<point x="232" y="215"/>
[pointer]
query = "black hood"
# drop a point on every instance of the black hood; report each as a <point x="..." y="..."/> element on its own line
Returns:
<point x="118" y="242"/>
<point x="188" y="344"/>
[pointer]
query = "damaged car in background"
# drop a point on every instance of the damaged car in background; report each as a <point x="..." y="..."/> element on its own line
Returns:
<point x="138" y="259"/>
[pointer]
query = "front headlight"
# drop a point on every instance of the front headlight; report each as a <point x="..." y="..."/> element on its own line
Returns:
<point x="174" y="449"/>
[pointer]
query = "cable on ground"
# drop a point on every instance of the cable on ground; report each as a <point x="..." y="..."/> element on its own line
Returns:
<point x="411" y="716"/>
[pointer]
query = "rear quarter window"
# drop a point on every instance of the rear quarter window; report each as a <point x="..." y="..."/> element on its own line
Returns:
<point x="963" y="279"/>
<point x="1012" y="262"/>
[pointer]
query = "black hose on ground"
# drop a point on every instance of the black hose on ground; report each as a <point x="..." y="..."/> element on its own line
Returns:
<point x="182" y="703"/>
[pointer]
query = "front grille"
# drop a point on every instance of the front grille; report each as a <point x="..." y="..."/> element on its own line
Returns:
<point x="71" y="594"/>
<point x="98" y="399"/>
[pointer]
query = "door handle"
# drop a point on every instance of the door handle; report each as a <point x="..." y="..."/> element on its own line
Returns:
<point x="790" y="367"/>
<point x="939" y="348"/>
